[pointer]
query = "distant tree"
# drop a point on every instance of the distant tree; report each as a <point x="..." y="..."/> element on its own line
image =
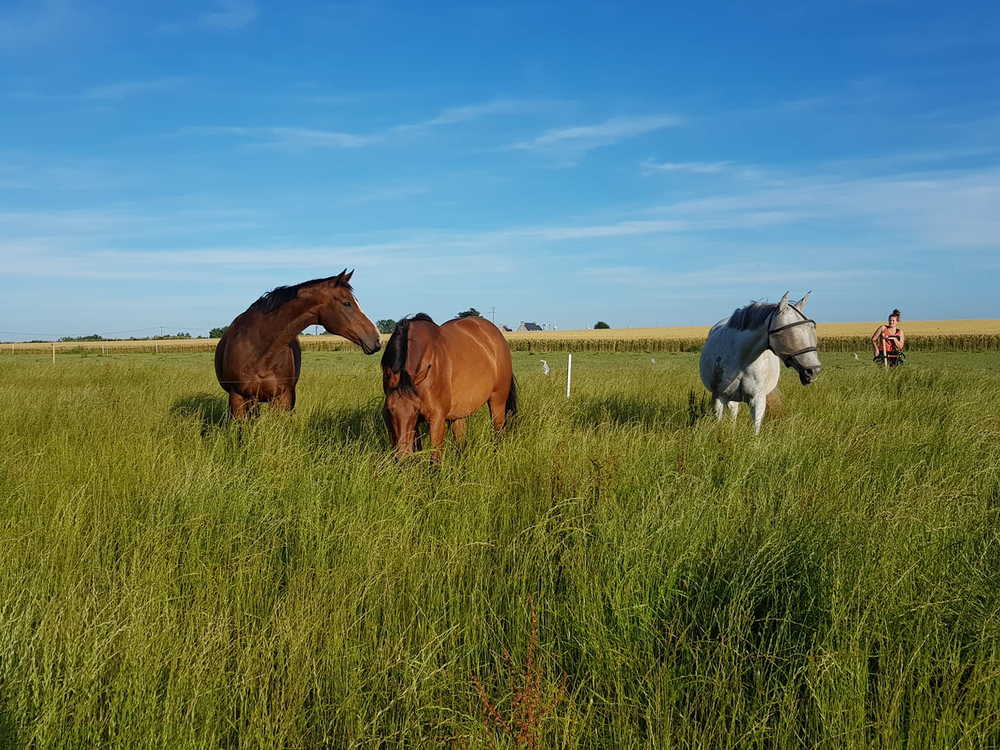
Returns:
<point x="470" y="313"/>
<point x="217" y="333"/>
<point x="91" y="337"/>
<point x="178" y="335"/>
<point x="601" y="324"/>
<point x="386" y="325"/>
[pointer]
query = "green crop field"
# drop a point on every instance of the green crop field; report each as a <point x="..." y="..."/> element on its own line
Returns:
<point x="617" y="571"/>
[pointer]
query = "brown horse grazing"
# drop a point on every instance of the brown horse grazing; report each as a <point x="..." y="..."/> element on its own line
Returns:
<point x="441" y="375"/>
<point x="258" y="359"/>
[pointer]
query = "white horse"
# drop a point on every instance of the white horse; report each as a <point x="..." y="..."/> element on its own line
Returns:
<point x="740" y="360"/>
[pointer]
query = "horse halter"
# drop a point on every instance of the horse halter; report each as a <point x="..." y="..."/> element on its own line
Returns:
<point x="789" y="359"/>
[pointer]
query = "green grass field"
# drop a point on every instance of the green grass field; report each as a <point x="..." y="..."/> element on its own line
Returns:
<point x="170" y="580"/>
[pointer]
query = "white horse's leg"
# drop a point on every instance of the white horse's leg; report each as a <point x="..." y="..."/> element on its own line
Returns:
<point x="757" y="407"/>
<point x="717" y="404"/>
<point x="734" y="410"/>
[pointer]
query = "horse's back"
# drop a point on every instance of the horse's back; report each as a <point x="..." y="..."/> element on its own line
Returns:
<point x="475" y="337"/>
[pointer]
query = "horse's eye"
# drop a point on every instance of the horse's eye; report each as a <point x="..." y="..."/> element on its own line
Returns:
<point x="347" y="304"/>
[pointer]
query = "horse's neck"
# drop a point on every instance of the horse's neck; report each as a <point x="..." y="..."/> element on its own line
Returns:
<point x="420" y="349"/>
<point x="749" y="345"/>
<point x="289" y="320"/>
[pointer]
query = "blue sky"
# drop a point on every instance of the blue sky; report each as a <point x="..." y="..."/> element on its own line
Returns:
<point x="642" y="164"/>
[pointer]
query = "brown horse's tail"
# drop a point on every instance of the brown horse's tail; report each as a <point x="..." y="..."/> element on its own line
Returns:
<point x="511" y="408"/>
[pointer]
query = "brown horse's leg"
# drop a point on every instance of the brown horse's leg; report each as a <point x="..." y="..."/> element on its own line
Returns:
<point x="239" y="407"/>
<point x="387" y="418"/>
<point x="498" y="409"/>
<point x="417" y="439"/>
<point x="284" y="400"/>
<point x="458" y="430"/>
<point x="438" y="429"/>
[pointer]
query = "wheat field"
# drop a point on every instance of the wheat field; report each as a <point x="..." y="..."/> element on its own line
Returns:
<point x="927" y="335"/>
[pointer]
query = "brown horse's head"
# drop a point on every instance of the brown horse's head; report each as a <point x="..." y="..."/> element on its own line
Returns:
<point x="401" y="413"/>
<point x="339" y="312"/>
<point x="403" y="367"/>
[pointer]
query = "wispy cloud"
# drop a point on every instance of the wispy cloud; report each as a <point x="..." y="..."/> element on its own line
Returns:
<point x="695" y="167"/>
<point x="646" y="277"/>
<point x="581" y="138"/>
<point x="38" y="173"/>
<point x="229" y="15"/>
<point x="941" y="209"/>
<point x="387" y="193"/>
<point x="125" y="89"/>
<point x="301" y="138"/>
<point x="292" y="138"/>
<point x="454" y="115"/>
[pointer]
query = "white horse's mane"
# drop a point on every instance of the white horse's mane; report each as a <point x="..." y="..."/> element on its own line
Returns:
<point x="752" y="316"/>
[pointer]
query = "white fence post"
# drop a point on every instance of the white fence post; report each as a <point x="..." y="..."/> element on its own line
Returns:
<point x="53" y="352"/>
<point x="569" y="373"/>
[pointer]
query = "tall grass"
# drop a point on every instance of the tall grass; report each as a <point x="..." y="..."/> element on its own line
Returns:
<point x="172" y="580"/>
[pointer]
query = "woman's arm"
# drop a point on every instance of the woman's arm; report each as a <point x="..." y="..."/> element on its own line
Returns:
<point x="876" y="337"/>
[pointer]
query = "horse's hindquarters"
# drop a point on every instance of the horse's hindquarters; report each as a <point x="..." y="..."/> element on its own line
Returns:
<point x="480" y="365"/>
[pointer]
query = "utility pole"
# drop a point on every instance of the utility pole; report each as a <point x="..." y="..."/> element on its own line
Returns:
<point x="493" y="315"/>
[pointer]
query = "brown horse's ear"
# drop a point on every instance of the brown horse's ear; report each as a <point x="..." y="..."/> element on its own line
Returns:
<point x="347" y="278"/>
<point x="338" y="280"/>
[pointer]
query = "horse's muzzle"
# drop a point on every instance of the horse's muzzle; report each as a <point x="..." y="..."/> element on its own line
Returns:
<point x="369" y="347"/>
<point x="807" y="374"/>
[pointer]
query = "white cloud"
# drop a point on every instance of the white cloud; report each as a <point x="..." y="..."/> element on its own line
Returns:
<point x="644" y="277"/>
<point x="453" y="115"/>
<point x="387" y="193"/>
<point x="695" y="167"/>
<point x="297" y="137"/>
<point x="289" y="137"/>
<point x="580" y="138"/>
<point x="938" y="209"/>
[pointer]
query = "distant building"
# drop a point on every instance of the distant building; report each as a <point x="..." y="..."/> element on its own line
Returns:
<point x="529" y="326"/>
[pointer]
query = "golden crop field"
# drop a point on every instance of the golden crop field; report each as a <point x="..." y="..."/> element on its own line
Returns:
<point x="921" y="334"/>
<point x="911" y="328"/>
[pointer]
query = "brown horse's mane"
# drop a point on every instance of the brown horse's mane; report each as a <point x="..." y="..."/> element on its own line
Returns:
<point x="394" y="356"/>
<point x="280" y="295"/>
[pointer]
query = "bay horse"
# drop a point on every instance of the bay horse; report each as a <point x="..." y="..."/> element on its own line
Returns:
<point x="258" y="358"/>
<point x="441" y="374"/>
<point x="740" y="361"/>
